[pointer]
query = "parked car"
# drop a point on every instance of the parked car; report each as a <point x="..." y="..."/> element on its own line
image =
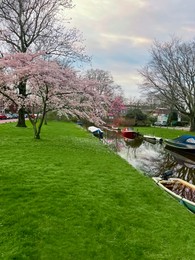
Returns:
<point x="14" y="115"/>
<point x="164" y="123"/>
<point x="9" y="116"/>
<point x="180" y="123"/>
<point x="160" y="123"/>
<point x="157" y="123"/>
<point x="3" y="116"/>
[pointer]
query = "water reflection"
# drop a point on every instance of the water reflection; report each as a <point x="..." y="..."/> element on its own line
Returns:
<point x="183" y="164"/>
<point x="147" y="158"/>
<point x="153" y="159"/>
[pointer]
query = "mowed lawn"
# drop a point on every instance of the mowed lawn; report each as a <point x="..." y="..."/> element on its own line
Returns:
<point x="164" y="132"/>
<point x="68" y="196"/>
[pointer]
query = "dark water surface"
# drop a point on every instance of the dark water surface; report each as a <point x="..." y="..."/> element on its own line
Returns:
<point x="154" y="159"/>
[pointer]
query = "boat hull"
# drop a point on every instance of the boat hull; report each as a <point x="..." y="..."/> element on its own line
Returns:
<point x="181" y="156"/>
<point x="186" y="148"/>
<point x="152" y="139"/>
<point x="129" y="133"/>
<point x="97" y="132"/>
<point x="184" y="143"/>
<point x="164" y="184"/>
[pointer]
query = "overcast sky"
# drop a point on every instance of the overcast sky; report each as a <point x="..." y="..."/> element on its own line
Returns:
<point x="119" y="34"/>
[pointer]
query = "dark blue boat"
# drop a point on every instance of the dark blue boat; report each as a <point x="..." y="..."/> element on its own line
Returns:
<point x="185" y="143"/>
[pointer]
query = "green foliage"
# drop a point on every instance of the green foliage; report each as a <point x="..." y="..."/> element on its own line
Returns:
<point x="130" y="114"/>
<point x="136" y="113"/>
<point x="123" y="121"/>
<point x="67" y="196"/>
<point x="182" y="123"/>
<point x="152" y="119"/>
<point x="185" y="118"/>
<point x="172" y="118"/>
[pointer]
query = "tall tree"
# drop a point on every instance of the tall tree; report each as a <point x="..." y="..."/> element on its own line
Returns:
<point x="49" y="88"/>
<point x="106" y="82"/>
<point x="105" y="85"/>
<point x="35" y="25"/>
<point x="170" y="75"/>
<point x="117" y="106"/>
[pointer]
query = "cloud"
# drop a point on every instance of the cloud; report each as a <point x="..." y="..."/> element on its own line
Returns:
<point x="119" y="34"/>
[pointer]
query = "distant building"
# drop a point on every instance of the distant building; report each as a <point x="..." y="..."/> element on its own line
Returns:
<point x="163" y="118"/>
<point x="161" y="111"/>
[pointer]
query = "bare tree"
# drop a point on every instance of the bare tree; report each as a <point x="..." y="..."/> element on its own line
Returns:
<point x="106" y="82"/>
<point x="170" y="75"/>
<point x="39" y="25"/>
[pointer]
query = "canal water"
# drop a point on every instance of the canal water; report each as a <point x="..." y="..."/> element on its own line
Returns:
<point x="153" y="159"/>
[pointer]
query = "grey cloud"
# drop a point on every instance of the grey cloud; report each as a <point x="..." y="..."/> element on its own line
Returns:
<point x="119" y="34"/>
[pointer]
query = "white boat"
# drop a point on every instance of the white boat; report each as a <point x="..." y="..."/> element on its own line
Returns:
<point x="181" y="190"/>
<point x="96" y="131"/>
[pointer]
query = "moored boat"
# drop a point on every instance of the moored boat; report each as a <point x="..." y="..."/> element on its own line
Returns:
<point x="97" y="132"/>
<point x="181" y="190"/>
<point x="185" y="143"/>
<point x="153" y="139"/>
<point x="182" y="157"/>
<point x="129" y="133"/>
<point x="134" y="143"/>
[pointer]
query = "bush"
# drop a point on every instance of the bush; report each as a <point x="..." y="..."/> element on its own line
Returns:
<point x="121" y="121"/>
<point x="179" y="123"/>
<point x="182" y="123"/>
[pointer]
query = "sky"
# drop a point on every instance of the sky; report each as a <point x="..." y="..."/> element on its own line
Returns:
<point x="119" y="34"/>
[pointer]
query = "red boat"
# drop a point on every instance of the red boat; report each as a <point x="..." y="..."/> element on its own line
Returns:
<point x="129" y="133"/>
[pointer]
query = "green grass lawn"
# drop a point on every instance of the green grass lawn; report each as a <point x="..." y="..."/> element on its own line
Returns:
<point x="164" y="132"/>
<point x="67" y="196"/>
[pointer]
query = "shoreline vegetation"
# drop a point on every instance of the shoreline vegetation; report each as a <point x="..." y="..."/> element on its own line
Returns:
<point x="68" y="196"/>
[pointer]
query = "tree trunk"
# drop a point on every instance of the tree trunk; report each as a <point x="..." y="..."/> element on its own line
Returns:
<point x="45" y="121"/>
<point x="192" y="124"/>
<point x="37" y="129"/>
<point x="21" y="113"/>
<point x="21" y="118"/>
<point x="37" y="136"/>
<point x="40" y="126"/>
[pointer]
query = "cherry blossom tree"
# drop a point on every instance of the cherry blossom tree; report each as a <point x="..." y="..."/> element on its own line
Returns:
<point x="49" y="87"/>
<point x="117" y="106"/>
<point x="39" y="25"/>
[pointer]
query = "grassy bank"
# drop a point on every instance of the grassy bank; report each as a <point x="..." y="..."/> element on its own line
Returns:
<point x="67" y="196"/>
<point x="164" y="132"/>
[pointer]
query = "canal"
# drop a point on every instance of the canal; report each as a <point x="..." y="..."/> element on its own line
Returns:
<point x="153" y="159"/>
